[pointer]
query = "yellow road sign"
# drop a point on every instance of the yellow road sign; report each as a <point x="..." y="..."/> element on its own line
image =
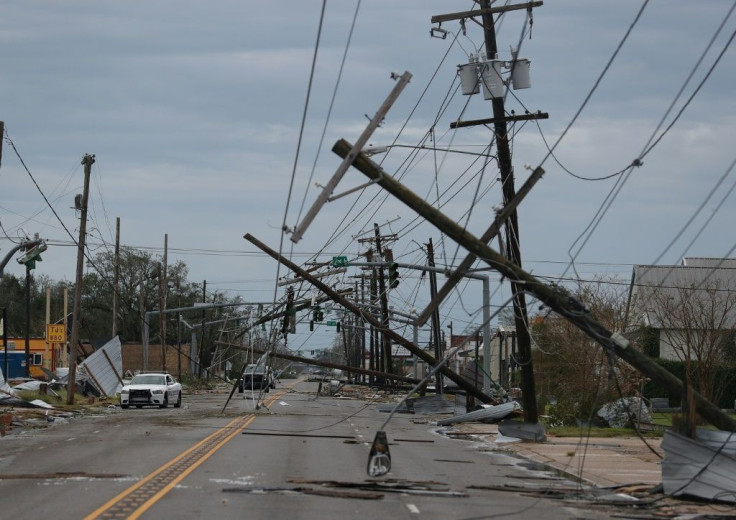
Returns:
<point x="55" y="333"/>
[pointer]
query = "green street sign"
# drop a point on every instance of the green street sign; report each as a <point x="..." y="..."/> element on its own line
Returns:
<point x="331" y="323"/>
<point x="340" y="261"/>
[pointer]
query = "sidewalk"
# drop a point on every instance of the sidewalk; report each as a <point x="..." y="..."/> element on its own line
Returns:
<point x="603" y="462"/>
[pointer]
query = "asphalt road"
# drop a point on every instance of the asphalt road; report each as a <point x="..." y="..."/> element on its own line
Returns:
<point x="298" y="456"/>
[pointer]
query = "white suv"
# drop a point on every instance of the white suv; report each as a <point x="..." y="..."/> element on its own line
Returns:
<point x="151" y="389"/>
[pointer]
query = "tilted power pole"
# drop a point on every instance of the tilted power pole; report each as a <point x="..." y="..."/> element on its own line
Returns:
<point x="560" y="302"/>
<point x="87" y="161"/>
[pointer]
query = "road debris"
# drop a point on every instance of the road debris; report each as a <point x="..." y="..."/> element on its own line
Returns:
<point x="487" y="413"/>
<point x="306" y="491"/>
<point x="427" y="488"/>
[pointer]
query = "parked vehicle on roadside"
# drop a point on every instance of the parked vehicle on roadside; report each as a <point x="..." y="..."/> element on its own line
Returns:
<point x="151" y="389"/>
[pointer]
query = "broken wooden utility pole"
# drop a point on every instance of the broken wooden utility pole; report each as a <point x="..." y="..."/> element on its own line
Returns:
<point x="326" y="194"/>
<point x="87" y="161"/>
<point x="560" y="302"/>
<point x="116" y="279"/>
<point x="397" y="338"/>
<point x="163" y="289"/>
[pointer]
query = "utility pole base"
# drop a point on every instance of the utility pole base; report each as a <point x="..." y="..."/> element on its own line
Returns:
<point x="522" y="430"/>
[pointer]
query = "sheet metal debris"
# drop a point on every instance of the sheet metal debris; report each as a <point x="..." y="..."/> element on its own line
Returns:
<point x="6" y="391"/>
<point x="105" y="367"/>
<point x="693" y="468"/>
<point x="484" y="414"/>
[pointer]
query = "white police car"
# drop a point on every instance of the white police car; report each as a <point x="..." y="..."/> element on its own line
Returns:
<point x="151" y="389"/>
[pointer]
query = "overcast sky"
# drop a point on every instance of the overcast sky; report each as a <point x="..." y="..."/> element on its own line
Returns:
<point x="194" y="112"/>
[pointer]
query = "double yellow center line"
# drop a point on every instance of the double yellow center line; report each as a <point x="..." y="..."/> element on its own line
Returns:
<point x="137" y="499"/>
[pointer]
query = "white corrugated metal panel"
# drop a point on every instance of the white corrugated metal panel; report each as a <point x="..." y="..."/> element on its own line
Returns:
<point x="105" y="367"/>
<point x="5" y="389"/>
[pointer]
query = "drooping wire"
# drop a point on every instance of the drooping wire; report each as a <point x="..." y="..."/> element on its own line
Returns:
<point x="298" y="147"/>
<point x="329" y="110"/>
<point x="597" y="81"/>
<point x="613" y="194"/>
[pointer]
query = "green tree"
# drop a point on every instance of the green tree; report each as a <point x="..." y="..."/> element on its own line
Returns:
<point x="13" y="298"/>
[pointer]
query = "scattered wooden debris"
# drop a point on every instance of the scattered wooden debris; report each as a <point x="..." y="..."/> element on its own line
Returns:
<point x="306" y="491"/>
<point x="60" y="475"/>
<point x="426" y="488"/>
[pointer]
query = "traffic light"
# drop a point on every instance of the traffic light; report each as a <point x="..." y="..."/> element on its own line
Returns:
<point x="292" y="321"/>
<point x="393" y="275"/>
<point x="318" y="315"/>
<point x="289" y="323"/>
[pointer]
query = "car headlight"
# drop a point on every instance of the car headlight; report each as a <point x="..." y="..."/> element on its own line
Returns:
<point x="157" y="391"/>
<point x="125" y="391"/>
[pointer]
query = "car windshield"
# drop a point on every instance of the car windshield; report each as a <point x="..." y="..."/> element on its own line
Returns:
<point x="258" y="369"/>
<point x="148" y="379"/>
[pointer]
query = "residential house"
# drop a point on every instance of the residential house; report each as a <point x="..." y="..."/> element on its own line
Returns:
<point x="689" y="308"/>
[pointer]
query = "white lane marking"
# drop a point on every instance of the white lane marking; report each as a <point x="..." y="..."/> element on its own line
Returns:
<point x="412" y="508"/>
<point x="70" y="439"/>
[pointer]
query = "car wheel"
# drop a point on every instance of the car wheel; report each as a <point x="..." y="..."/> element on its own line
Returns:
<point x="166" y="401"/>
<point x="178" y="401"/>
<point x="124" y="406"/>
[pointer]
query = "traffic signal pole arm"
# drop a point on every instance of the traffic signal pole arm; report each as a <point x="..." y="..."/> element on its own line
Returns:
<point x="31" y="243"/>
<point x="559" y="302"/>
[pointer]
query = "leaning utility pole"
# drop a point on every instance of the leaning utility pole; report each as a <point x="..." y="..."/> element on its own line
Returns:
<point x="201" y="331"/>
<point x="549" y="295"/>
<point x="163" y="286"/>
<point x="116" y="279"/>
<point x="28" y="321"/>
<point x="87" y="161"/>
